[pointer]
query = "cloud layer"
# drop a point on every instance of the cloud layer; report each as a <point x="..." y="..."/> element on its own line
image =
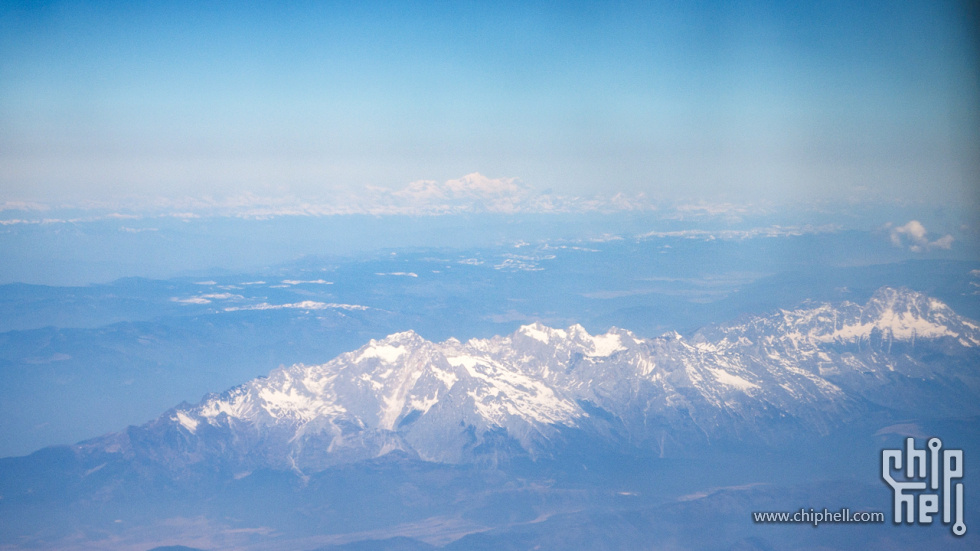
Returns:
<point x="472" y="193"/>
<point x="914" y="236"/>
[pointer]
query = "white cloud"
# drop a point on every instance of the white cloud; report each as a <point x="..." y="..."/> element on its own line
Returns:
<point x="405" y="274"/>
<point x="191" y="300"/>
<point x="305" y="305"/>
<point x="714" y="209"/>
<point x="472" y="193"/>
<point x="770" y="231"/>
<point x="206" y="299"/>
<point x="471" y="186"/>
<point x="944" y="242"/>
<point x="23" y="206"/>
<point x="914" y="236"/>
<point x="137" y="230"/>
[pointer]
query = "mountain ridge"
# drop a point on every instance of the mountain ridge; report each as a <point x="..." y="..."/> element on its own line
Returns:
<point x="805" y="370"/>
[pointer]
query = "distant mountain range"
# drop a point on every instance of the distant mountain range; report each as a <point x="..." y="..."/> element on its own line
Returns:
<point x="418" y="444"/>
<point x="759" y="379"/>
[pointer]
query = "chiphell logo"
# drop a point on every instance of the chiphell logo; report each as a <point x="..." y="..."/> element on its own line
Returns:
<point x="919" y="489"/>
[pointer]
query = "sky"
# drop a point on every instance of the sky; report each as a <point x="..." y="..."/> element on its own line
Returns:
<point x="733" y="101"/>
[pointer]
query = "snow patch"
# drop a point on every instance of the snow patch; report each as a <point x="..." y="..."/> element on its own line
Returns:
<point x="727" y="378"/>
<point x="469" y="362"/>
<point x="187" y="422"/>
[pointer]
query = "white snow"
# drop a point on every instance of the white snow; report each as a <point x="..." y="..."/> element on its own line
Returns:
<point x="469" y="362"/>
<point x="237" y="406"/>
<point x="399" y="389"/>
<point x="384" y="352"/>
<point x="515" y="394"/>
<point x="605" y="345"/>
<point x="287" y="401"/>
<point x="187" y="422"/>
<point x="375" y="385"/>
<point x="541" y="333"/>
<point x="727" y="378"/>
<point x="447" y="377"/>
<point x="425" y="404"/>
<point x="902" y="326"/>
<point x="316" y="381"/>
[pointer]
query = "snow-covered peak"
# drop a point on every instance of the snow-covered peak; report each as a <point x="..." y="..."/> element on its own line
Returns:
<point x="386" y="352"/>
<point x="406" y="338"/>
<point x="577" y="339"/>
<point x="891" y="315"/>
<point x="542" y="333"/>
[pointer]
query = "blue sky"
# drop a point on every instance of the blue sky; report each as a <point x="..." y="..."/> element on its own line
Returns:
<point x="715" y="100"/>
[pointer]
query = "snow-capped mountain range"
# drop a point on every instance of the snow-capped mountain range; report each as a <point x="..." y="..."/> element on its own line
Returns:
<point x="805" y="370"/>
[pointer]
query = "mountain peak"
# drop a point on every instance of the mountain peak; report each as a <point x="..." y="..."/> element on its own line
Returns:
<point x="540" y="332"/>
<point x="402" y="337"/>
<point x="906" y="314"/>
<point x="391" y="348"/>
<point x="891" y="315"/>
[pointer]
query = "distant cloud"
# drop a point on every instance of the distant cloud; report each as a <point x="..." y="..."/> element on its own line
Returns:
<point x="471" y="186"/>
<point x="23" y="206"/>
<point x="305" y="305"/>
<point x="714" y="209"/>
<point x="914" y="236"/>
<point x="191" y="300"/>
<point x="770" y="231"/>
<point x="405" y="274"/>
<point x="472" y="193"/>
<point x="475" y="193"/>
